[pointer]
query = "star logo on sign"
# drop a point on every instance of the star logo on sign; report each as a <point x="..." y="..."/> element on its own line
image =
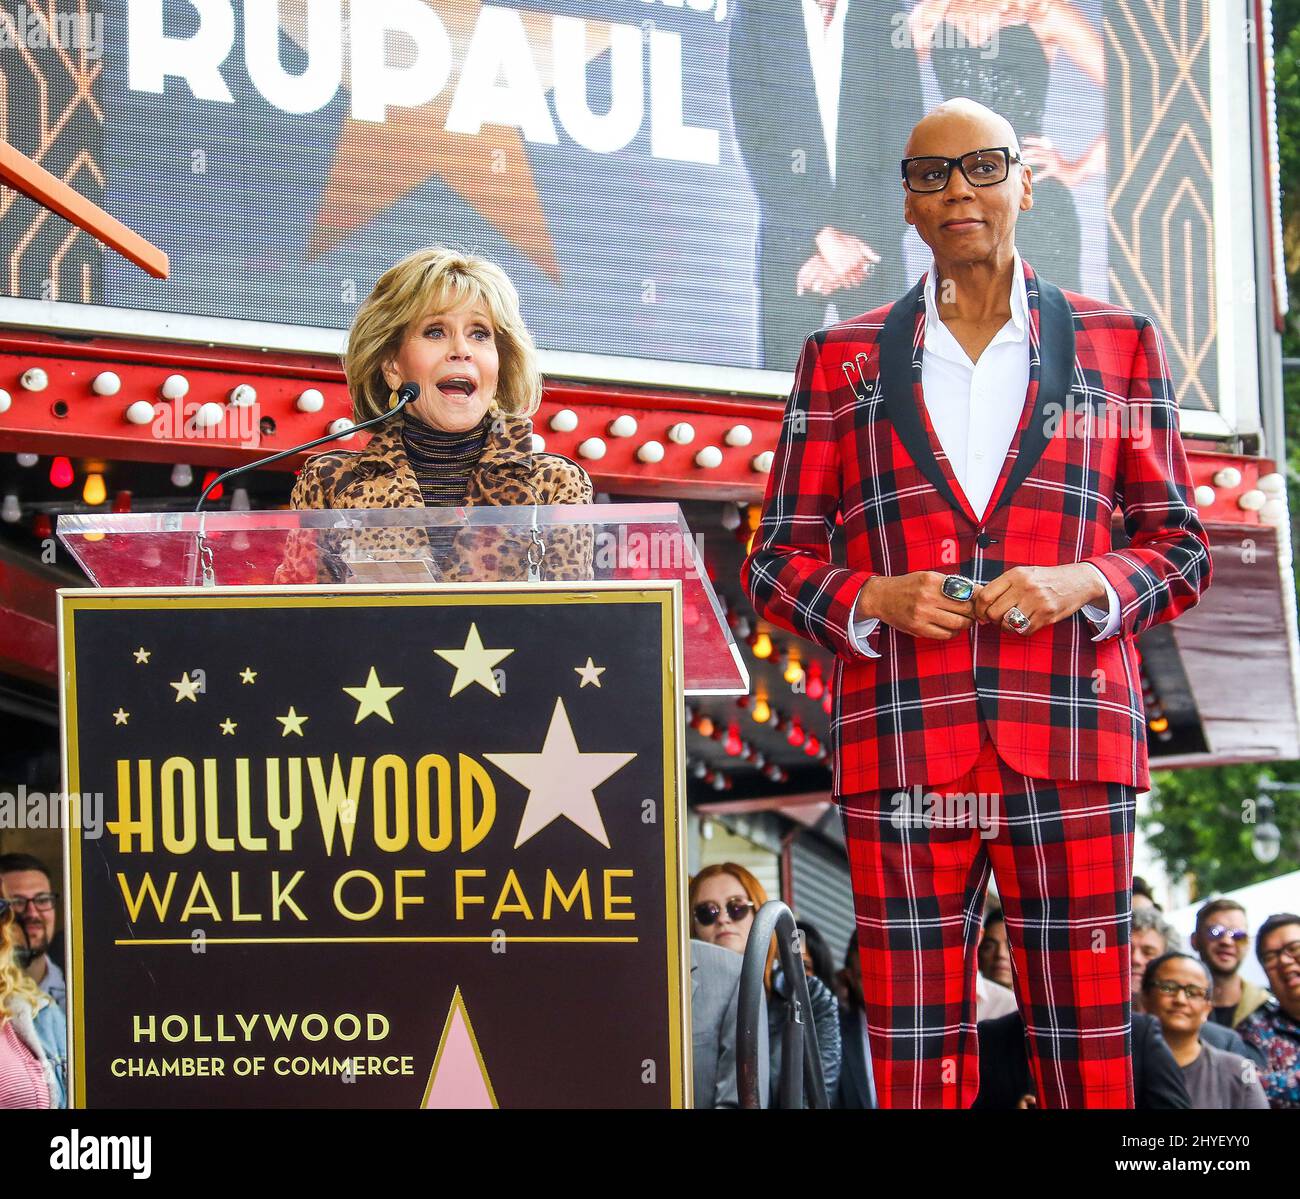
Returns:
<point x="187" y="688"/>
<point x="474" y="663"/>
<point x="142" y="654"/>
<point x="121" y="716"/>
<point x="372" y="699"/>
<point x="561" y="780"/>
<point x="489" y="169"/>
<point x="589" y="674"/>
<point x="228" y="727"/>
<point x="248" y="674"/>
<point x="292" y="723"/>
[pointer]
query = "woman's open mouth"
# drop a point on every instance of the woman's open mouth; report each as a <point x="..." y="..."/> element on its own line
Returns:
<point x="458" y="385"/>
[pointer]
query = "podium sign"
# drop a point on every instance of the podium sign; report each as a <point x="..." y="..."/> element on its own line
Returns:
<point x="376" y="846"/>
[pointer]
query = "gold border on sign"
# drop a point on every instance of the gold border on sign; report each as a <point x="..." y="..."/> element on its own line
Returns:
<point x="666" y="594"/>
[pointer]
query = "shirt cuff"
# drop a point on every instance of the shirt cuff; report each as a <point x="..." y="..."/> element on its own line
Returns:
<point x="859" y="631"/>
<point x="1106" y="619"/>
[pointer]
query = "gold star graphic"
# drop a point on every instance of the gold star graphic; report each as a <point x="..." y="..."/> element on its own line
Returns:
<point x="228" y="727"/>
<point x="473" y="663"/>
<point x="561" y="780"/>
<point x="375" y="165"/>
<point x="142" y="654"/>
<point x="120" y="716"/>
<point x="187" y="688"/>
<point x="372" y="699"/>
<point x="590" y="673"/>
<point x="292" y="723"/>
<point x="248" y="674"/>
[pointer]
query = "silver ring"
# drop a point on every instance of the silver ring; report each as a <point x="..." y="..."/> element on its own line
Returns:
<point x="1018" y="621"/>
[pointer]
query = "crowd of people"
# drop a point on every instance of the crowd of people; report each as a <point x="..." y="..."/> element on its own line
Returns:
<point x="1202" y="1035"/>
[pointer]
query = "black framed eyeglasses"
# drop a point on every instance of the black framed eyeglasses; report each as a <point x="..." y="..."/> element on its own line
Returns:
<point x="708" y="913"/>
<point x="42" y="902"/>
<point x="1194" y="993"/>
<point x="1274" y="956"/>
<point x="982" y="168"/>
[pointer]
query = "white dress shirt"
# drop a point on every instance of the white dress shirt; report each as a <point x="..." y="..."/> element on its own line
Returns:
<point x="993" y="999"/>
<point x="826" y="54"/>
<point x="975" y="408"/>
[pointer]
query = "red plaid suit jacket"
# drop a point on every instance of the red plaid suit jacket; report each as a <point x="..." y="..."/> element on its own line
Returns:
<point x="1099" y="433"/>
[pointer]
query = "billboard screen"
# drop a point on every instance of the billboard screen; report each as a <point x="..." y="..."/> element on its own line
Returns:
<point x="680" y="189"/>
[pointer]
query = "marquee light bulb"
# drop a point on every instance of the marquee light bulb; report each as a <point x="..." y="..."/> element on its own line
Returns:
<point x="94" y="492"/>
<point x="815" y="686"/>
<point x="61" y="472"/>
<point x="762" y="712"/>
<point x="762" y="646"/>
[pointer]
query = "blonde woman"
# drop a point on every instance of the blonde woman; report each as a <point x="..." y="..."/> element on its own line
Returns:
<point x="450" y="323"/>
<point x="33" y="1036"/>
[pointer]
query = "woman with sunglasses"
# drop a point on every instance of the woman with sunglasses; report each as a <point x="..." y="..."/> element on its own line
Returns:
<point x="33" y="1035"/>
<point x="723" y="900"/>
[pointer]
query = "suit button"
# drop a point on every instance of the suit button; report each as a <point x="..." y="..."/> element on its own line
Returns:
<point x="984" y="541"/>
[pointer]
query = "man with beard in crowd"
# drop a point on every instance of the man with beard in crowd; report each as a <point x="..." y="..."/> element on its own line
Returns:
<point x="25" y="883"/>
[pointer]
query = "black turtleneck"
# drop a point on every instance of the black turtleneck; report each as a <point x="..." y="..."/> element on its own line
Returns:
<point x="442" y="462"/>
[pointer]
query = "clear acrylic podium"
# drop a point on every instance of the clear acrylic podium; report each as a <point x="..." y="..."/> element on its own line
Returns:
<point x="412" y="546"/>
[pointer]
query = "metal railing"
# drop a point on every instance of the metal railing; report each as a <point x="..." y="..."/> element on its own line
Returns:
<point x="801" y="1063"/>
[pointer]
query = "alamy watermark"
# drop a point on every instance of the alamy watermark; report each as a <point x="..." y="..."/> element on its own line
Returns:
<point x="918" y="808"/>
<point x="187" y="420"/>
<point x="978" y="32"/>
<point x="1082" y="418"/>
<point x="661" y="550"/>
<point x="36" y="30"/>
<point x="52" y="810"/>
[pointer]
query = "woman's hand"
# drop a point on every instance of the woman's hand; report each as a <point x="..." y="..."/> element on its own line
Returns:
<point x="815" y="276"/>
<point x="1047" y="162"/>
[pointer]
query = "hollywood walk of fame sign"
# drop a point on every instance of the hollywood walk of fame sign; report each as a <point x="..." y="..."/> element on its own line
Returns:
<point x="376" y="846"/>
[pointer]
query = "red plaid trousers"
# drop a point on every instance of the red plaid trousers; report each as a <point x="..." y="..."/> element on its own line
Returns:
<point x="1061" y="853"/>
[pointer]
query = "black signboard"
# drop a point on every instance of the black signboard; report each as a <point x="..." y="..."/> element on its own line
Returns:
<point x="375" y="847"/>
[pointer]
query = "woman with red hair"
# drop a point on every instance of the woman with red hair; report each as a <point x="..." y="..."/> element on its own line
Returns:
<point x="723" y="900"/>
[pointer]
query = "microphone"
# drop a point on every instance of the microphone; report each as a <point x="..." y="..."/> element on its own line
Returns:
<point x="408" y="393"/>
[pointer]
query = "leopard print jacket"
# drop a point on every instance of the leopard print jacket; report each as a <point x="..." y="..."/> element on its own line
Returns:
<point x="381" y="476"/>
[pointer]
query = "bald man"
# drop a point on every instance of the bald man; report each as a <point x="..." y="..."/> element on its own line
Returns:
<point x="975" y="438"/>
